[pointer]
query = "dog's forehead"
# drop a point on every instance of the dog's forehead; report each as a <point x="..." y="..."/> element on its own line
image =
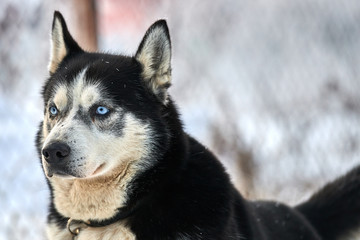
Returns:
<point x="93" y="77"/>
<point x="81" y="91"/>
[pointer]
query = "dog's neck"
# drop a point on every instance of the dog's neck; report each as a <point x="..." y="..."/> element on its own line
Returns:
<point x="92" y="199"/>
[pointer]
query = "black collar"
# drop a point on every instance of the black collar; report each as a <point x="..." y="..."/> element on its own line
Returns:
<point x="75" y="226"/>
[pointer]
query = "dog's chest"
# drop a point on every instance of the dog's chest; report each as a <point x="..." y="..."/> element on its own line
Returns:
<point x="113" y="231"/>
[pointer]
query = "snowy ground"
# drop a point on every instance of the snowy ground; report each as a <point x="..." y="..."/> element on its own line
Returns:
<point x="277" y="80"/>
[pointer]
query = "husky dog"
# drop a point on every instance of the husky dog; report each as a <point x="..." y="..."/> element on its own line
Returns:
<point x="120" y="166"/>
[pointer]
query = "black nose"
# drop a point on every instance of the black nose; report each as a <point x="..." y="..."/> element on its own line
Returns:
<point x="56" y="152"/>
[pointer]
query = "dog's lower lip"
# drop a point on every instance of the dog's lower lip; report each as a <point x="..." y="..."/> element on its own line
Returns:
<point x="98" y="169"/>
<point x="61" y="174"/>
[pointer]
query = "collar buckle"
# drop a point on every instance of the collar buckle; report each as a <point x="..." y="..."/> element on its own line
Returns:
<point x="75" y="226"/>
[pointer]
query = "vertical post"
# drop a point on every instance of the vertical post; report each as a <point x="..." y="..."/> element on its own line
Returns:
<point x="84" y="15"/>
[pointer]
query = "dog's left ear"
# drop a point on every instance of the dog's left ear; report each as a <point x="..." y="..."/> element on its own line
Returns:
<point x="62" y="43"/>
<point x="154" y="54"/>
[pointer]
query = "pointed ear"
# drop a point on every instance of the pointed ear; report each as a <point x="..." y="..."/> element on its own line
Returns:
<point x="62" y="43"/>
<point x="154" y="54"/>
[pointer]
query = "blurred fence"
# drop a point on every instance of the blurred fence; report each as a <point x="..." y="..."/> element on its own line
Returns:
<point x="272" y="87"/>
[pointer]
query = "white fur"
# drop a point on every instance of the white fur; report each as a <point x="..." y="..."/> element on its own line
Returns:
<point x="84" y="94"/>
<point x="60" y="98"/>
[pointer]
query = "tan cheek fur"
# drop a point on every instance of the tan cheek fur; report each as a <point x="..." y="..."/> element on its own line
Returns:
<point x="97" y="198"/>
<point x="133" y="145"/>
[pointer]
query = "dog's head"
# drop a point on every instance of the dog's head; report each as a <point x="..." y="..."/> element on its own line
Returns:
<point x="102" y="111"/>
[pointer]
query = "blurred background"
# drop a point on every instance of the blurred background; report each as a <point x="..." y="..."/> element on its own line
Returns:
<point x="272" y="87"/>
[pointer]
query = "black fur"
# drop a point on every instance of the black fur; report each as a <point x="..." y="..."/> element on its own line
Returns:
<point x="335" y="210"/>
<point x="187" y="193"/>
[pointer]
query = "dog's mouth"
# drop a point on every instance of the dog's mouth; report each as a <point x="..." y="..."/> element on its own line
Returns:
<point x="52" y="170"/>
<point x="98" y="169"/>
<point x="59" y="173"/>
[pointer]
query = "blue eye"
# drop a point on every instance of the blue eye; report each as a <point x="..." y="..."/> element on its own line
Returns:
<point x="102" y="110"/>
<point x="53" y="111"/>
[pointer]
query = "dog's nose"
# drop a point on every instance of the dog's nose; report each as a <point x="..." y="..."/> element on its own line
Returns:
<point x="56" y="152"/>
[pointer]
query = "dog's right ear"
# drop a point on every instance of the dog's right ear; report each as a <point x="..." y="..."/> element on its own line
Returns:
<point x="62" y="43"/>
<point x="154" y="54"/>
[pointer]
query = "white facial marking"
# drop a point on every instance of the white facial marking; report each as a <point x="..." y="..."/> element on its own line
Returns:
<point x="85" y="94"/>
<point x="89" y="96"/>
<point x="60" y="98"/>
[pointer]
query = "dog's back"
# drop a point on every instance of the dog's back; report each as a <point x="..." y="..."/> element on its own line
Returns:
<point x="335" y="210"/>
<point x="333" y="213"/>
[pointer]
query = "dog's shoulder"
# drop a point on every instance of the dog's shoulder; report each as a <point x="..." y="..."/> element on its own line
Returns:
<point x="195" y="202"/>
